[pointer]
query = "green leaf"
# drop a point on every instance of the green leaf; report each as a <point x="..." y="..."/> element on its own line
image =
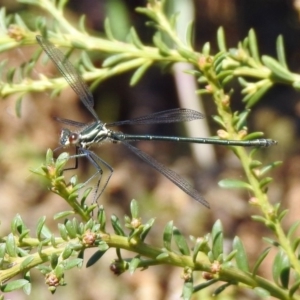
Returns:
<point x="227" y="79"/>
<point x="61" y="5"/>
<point x="102" y="218"/>
<point x="88" y="225"/>
<point x="293" y="228"/>
<point x="241" y="256"/>
<point x="63" y="214"/>
<point x="253" y="135"/>
<point x="26" y="262"/>
<point x="19" y="105"/>
<point x="87" y="62"/>
<point x="162" y="256"/>
<point x="221" y="39"/>
<point x="20" y="22"/>
<point x="262" y="293"/>
<point x="59" y="271"/>
<point x="74" y="180"/>
<point x="202" y="92"/>
<point x="255" y="164"/>
<point x="205" y="244"/>
<point x="206" y="48"/>
<point x="44" y="269"/>
<point x="2" y="250"/>
<point x="189" y="35"/>
<point x="221" y="289"/>
<point x="81" y="24"/>
<point x="281" y="51"/>
<point x="269" y="167"/>
<point x="70" y="229"/>
<point x="234" y="184"/>
<point x="180" y="242"/>
<point x="279" y="72"/>
<point x="230" y="256"/>
<point x="173" y="20"/>
<point x="75" y="224"/>
<point x="54" y="260"/>
<point x="40" y="24"/>
<point x="260" y="259"/>
<point x="285" y="274"/>
<point x="162" y="47"/>
<point x="76" y="262"/>
<point x="205" y="285"/>
<point x="187" y="290"/>
<point x="253" y="98"/>
<point x="67" y="252"/>
<point x="95" y="257"/>
<point x="27" y="288"/>
<point x="217" y="239"/>
<point x="14" y="285"/>
<point x="116" y="59"/>
<point x="223" y="75"/>
<point x="281" y="269"/>
<point x="85" y="194"/>
<point x="117" y="226"/>
<point x="218" y="62"/>
<point x="134" y="209"/>
<point x="242" y="119"/>
<point x="210" y="256"/>
<point x="146" y="229"/>
<point x="10" y="75"/>
<point x="53" y="241"/>
<point x="46" y="232"/>
<point x="167" y="236"/>
<point x="61" y="161"/>
<point x="135" y="39"/>
<point x="23" y="252"/>
<point x="11" y="247"/>
<point x="108" y="30"/>
<point x="133" y="265"/>
<point x="200" y="79"/>
<point x="103" y="246"/>
<point x="294" y="288"/>
<point x="81" y="254"/>
<point x="55" y="92"/>
<point x="63" y="232"/>
<point x="197" y="248"/>
<point x="218" y="120"/>
<point x="295" y="243"/>
<point x="138" y="74"/>
<point x="148" y="12"/>
<point x="271" y="241"/>
<point x="253" y="46"/>
<point x="49" y="157"/>
<point x="18" y="226"/>
<point x="264" y="182"/>
<point x="243" y="82"/>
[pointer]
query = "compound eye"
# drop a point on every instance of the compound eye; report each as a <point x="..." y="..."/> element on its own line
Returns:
<point x="73" y="138"/>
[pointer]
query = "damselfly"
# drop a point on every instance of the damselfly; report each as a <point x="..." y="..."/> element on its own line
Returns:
<point x="96" y="132"/>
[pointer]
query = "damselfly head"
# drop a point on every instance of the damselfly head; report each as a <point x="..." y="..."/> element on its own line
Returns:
<point x="68" y="138"/>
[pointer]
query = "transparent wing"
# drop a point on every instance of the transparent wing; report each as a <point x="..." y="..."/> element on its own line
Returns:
<point x="166" y="116"/>
<point x="69" y="72"/>
<point x="174" y="177"/>
<point x="70" y="122"/>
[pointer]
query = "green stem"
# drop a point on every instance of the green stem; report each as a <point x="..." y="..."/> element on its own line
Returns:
<point x="58" y="16"/>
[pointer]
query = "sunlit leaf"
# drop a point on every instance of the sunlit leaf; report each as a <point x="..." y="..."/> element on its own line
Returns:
<point x="241" y="256"/>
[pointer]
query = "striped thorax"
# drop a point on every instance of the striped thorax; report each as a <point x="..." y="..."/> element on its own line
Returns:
<point x="92" y="134"/>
